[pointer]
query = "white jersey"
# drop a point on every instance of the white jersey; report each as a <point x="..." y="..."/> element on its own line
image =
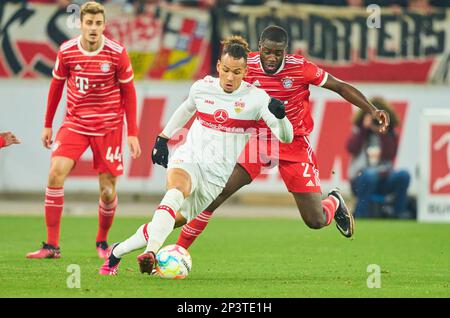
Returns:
<point x="224" y="123"/>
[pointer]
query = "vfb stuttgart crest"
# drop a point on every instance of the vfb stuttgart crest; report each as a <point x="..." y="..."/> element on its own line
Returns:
<point x="239" y="106"/>
<point x="287" y="82"/>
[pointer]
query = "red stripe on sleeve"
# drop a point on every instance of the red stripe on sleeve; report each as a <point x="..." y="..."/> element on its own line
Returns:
<point x="129" y="101"/>
<point x="54" y="96"/>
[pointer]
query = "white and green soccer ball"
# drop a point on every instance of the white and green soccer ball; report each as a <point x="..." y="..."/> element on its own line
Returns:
<point x="173" y="262"/>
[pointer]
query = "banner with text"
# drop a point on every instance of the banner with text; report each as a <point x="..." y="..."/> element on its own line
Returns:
<point x="355" y="44"/>
<point x="157" y="101"/>
<point x="162" y="43"/>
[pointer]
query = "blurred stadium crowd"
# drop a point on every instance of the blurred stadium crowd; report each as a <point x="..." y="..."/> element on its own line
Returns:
<point x="139" y="4"/>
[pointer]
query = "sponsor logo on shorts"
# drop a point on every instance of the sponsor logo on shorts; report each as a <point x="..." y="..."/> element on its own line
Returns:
<point x="119" y="167"/>
<point x="55" y="146"/>
<point x="310" y="184"/>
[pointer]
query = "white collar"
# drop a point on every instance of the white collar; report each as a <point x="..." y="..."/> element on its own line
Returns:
<point x="90" y="53"/>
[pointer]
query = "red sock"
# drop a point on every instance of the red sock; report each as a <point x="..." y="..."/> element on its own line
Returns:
<point x="194" y="228"/>
<point x="54" y="203"/>
<point x="106" y="213"/>
<point x="329" y="205"/>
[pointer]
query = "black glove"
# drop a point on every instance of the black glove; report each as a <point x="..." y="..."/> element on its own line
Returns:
<point x="160" y="152"/>
<point x="276" y="107"/>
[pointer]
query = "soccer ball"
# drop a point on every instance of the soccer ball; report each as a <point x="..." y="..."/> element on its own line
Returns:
<point x="173" y="262"/>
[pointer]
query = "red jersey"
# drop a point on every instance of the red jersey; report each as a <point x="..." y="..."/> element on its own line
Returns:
<point x="94" y="103"/>
<point x="290" y="83"/>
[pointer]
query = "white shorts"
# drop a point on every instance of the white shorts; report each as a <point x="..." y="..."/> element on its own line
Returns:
<point x="203" y="193"/>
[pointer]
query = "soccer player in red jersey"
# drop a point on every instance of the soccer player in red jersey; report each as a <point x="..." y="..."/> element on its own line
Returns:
<point x="100" y="92"/>
<point x="287" y="77"/>
<point x="7" y="139"/>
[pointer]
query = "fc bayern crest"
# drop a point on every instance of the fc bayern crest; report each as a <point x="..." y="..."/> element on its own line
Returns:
<point x="287" y="82"/>
<point x="105" y="67"/>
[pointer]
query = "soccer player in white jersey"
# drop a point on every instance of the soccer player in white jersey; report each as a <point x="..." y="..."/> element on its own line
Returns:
<point x="227" y="109"/>
<point x="287" y="77"/>
<point x="100" y="92"/>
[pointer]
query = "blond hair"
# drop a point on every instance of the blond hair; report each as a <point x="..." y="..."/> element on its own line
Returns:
<point x="92" y="7"/>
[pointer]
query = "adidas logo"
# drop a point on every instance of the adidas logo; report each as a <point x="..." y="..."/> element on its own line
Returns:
<point x="310" y="184"/>
<point x="119" y="167"/>
<point x="256" y="83"/>
<point x="78" y="67"/>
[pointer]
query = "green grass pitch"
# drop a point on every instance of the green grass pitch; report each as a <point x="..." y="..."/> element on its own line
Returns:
<point x="276" y="258"/>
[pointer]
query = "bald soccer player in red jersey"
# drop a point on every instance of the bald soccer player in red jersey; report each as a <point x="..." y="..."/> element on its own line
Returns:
<point x="287" y="77"/>
<point x="100" y="92"/>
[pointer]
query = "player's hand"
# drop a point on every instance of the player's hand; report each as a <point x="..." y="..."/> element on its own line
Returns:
<point x="134" y="146"/>
<point x="276" y="107"/>
<point x="160" y="152"/>
<point x="46" y="138"/>
<point x="382" y="117"/>
<point x="10" y="138"/>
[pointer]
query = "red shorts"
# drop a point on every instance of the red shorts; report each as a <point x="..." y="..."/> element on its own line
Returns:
<point x="106" y="150"/>
<point x="296" y="162"/>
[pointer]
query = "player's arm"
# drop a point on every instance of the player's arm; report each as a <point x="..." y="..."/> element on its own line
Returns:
<point x="60" y="73"/>
<point x="125" y="77"/>
<point x="274" y="115"/>
<point x="160" y="153"/>
<point x="354" y="96"/>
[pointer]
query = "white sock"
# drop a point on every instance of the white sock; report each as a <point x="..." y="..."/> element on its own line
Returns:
<point x="164" y="219"/>
<point x="134" y="242"/>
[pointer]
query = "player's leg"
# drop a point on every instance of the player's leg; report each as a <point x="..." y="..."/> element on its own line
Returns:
<point x="137" y="241"/>
<point x="60" y="168"/>
<point x="153" y="234"/>
<point x="302" y="180"/>
<point x="190" y="231"/>
<point x="106" y="211"/>
<point x="68" y="147"/>
<point x="179" y="187"/>
<point x="108" y="161"/>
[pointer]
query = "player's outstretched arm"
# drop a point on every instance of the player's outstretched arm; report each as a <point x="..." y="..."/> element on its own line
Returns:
<point x="8" y="139"/>
<point x="275" y="117"/>
<point x="54" y="96"/>
<point x="354" y="96"/>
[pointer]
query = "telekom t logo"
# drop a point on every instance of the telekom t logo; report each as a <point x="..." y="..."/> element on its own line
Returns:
<point x="82" y="84"/>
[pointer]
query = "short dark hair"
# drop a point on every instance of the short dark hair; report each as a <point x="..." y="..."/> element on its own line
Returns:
<point x="274" y="33"/>
<point x="236" y="47"/>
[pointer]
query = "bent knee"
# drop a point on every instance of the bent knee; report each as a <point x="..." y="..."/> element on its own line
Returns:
<point x="315" y="224"/>
<point x="108" y="193"/>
